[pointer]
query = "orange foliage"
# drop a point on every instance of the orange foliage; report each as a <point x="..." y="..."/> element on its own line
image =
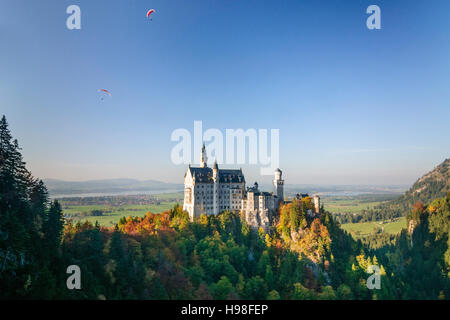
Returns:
<point x="314" y="242"/>
<point x="419" y="207"/>
<point x="149" y="224"/>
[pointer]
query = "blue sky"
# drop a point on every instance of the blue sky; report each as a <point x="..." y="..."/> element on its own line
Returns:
<point x="354" y="106"/>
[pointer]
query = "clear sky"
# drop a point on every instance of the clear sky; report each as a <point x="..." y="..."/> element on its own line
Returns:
<point x="354" y="106"/>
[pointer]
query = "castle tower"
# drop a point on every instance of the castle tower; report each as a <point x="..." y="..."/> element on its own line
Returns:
<point x="216" y="188"/>
<point x="278" y="183"/>
<point x="316" y="200"/>
<point x="194" y="203"/>
<point x="204" y="158"/>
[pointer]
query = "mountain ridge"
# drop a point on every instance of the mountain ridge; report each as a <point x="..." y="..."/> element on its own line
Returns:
<point x="434" y="184"/>
<point x="58" y="187"/>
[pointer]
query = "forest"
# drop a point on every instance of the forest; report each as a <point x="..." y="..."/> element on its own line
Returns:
<point x="167" y="256"/>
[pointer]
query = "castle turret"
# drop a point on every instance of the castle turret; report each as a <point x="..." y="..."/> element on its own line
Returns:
<point x="215" y="171"/>
<point x="204" y="158"/>
<point x="316" y="200"/>
<point x="278" y="184"/>
<point x="216" y="188"/>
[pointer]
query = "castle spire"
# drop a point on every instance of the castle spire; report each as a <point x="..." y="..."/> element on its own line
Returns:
<point x="204" y="158"/>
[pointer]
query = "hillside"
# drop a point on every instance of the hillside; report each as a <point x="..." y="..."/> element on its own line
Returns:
<point x="434" y="184"/>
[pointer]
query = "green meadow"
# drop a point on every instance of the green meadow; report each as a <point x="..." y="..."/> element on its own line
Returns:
<point x="347" y="205"/>
<point x="112" y="215"/>
<point x="356" y="204"/>
<point x="368" y="228"/>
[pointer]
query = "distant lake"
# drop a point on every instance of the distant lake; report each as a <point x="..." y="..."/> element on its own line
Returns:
<point x="106" y="194"/>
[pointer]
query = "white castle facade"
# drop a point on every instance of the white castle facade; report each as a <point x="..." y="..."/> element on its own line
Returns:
<point x="213" y="190"/>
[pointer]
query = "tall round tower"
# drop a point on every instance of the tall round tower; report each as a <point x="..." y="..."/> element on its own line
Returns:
<point x="316" y="200"/>
<point x="278" y="184"/>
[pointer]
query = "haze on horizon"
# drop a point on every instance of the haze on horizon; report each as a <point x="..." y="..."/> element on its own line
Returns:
<point x="354" y="106"/>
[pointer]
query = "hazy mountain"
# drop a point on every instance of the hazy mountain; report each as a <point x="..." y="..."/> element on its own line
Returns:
<point x="108" y="186"/>
<point x="434" y="184"/>
<point x="343" y="190"/>
<point x="334" y="190"/>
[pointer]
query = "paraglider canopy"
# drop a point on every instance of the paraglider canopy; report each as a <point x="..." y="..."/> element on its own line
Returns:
<point x="149" y="12"/>
<point x="104" y="92"/>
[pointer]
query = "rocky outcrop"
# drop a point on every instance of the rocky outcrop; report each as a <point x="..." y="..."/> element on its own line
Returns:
<point x="259" y="219"/>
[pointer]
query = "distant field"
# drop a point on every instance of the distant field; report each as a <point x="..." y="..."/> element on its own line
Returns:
<point x="111" y="218"/>
<point x="354" y="204"/>
<point x="347" y="206"/>
<point x="113" y="213"/>
<point x="367" y="228"/>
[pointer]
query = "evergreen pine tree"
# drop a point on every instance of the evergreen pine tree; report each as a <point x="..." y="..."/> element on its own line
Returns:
<point x="53" y="227"/>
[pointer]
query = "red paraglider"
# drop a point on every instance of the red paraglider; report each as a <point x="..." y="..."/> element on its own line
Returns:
<point x="150" y="12"/>
<point x="104" y="92"/>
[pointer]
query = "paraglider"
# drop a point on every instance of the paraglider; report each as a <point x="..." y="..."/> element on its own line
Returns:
<point x="104" y="93"/>
<point x="149" y="12"/>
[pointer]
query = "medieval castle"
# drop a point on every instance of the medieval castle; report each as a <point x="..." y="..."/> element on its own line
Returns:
<point x="213" y="190"/>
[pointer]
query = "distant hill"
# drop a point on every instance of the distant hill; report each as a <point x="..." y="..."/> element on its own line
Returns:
<point x="434" y="184"/>
<point x="108" y="186"/>
<point x="342" y="190"/>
